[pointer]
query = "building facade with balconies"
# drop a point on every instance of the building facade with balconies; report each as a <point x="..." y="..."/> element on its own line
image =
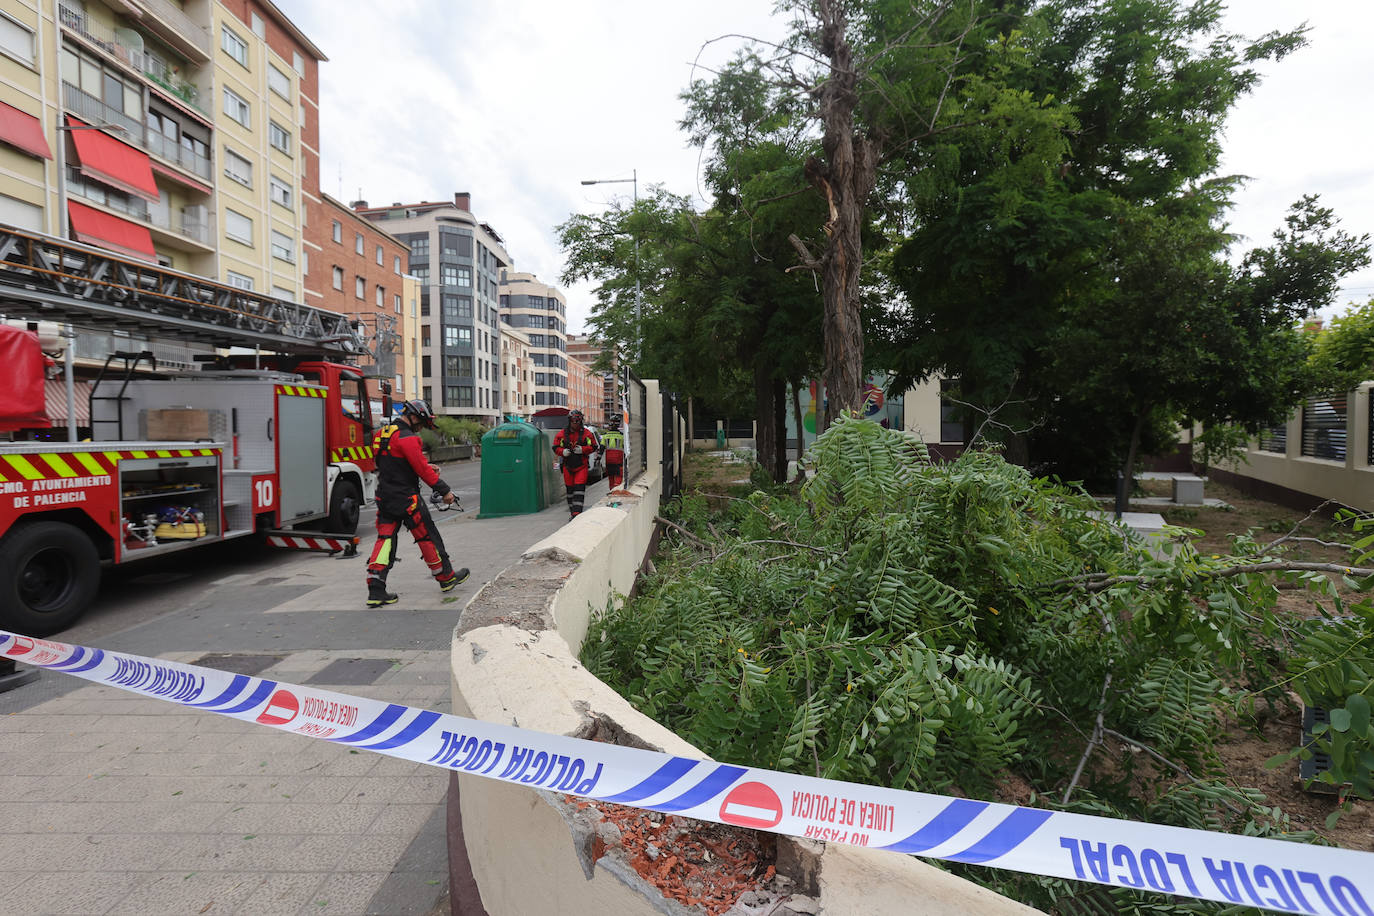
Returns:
<point x="541" y="311"/>
<point x="113" y="132"/>
<point x="458" y="261"/>
<point x="516" y="399"/>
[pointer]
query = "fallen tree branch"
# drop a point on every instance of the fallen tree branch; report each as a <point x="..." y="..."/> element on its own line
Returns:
<point x="1093" y="741"/>
<point x="676" y="527"/>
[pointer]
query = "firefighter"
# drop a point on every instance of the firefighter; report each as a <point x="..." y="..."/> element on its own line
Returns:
<point x="613" y="447"/>
<point x="574" y="445"/>
<point x="401" y="466"/>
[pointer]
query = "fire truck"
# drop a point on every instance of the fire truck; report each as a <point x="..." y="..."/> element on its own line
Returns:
<point x="276" y="445"/>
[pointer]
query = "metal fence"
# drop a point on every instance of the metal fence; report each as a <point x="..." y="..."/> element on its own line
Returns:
<point x="672" y="445"/>
<point x="1324" y="428"/>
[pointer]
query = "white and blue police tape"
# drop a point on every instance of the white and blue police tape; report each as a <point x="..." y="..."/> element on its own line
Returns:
<point x="1292" y="877"/>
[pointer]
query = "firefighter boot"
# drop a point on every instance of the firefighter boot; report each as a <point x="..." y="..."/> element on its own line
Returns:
<point x="449" y="578"/>
<point x="377" y="595"/>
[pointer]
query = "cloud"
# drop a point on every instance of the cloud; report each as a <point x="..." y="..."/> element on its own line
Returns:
<point x="517" y="102"/>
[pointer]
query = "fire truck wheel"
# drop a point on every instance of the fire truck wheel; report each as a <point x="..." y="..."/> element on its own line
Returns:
<point x="344" y="506"/>
<point x="49" y="573"/>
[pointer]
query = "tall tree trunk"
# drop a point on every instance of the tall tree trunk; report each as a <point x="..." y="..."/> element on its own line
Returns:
<point x="779" y="421"/>
<point x="1128" y="470"/>
<point x="845" y="176"/>
<point x="765" y="427"/>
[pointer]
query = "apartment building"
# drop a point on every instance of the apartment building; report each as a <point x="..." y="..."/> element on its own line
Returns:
<point x="541" y="311"/>
<point x="358" y="269"/>
<point x="167" y="131"/>
<point x="584" y="391"/>
<point x="458" y="261"/>
<point x="582" y="347"/>
<point x="516" y="399"/>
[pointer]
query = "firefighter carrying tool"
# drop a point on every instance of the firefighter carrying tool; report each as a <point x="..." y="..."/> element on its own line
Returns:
<point x="401" y="466"/>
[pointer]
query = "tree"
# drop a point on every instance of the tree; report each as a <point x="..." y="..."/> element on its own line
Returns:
<point x="1343" y="354"/>
<point x="723" y="322"/>
<point x="1087" y="282"/>
<point x="870" y="77"/>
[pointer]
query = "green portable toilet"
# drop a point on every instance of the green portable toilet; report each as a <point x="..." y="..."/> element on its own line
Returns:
<point x="518" y="476"/>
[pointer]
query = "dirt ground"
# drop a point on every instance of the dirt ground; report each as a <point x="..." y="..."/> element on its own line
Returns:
<point x="1246" y="750"/>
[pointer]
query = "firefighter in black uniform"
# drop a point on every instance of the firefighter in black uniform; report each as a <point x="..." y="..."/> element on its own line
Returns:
<point x="401" y="466"/>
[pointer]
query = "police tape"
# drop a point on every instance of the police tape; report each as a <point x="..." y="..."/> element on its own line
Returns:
<point x="1267" y="873"/>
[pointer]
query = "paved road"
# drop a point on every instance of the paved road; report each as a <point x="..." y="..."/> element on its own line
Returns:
<point x="115" y="803"/>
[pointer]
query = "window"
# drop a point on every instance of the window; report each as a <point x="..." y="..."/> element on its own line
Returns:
<point x="458" y="395"/>
<point x="358" y="242"/>
<point x="239" y="280"/>
<point x="338" y="232"/>
<point x="421" y="274"/>
<point x="298" y="62"/>
<point x="381" y="259"/>
<point x="236" y="108"/>
<point x="233" y="45"/>
<point x="338" y="278"/>
<point x="278" y="82"/>
<point x="305" y="262"/>
<point x="397" y="265"/>
<point x="16" y="40"/>
<point x="283" y="246"/>
<point x="951" y="414"/>
<point x="396" y="302"/>
<point x="281" y="191"/>
<point x="238" y="227"/>
<point x="381" y="297"/>
<point x="424" y="302"/>
<point x="279" y="137"/>
<point x="281" y="292"/>
<point x="256" y="22"/>
<point x="419" y="248"/>
<point x="359" y="287"/>
<point x="457" y="308"/>
<point x="425" y="365"/>
<point x="540" y="378"/>
<point x="458" y="366"/>
<point x="238" y="168"/>
<point x="424" y="336"/>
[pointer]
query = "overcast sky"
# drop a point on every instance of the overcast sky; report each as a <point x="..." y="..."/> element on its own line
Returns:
<point x="517" y="102"/>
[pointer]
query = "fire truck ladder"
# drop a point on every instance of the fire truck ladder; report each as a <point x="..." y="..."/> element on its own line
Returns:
<point x="43" y="278"/>
<point x="131" y="361"/>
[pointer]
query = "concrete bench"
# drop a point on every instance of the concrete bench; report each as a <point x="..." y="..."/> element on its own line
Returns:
<point x="1188" y="490"/>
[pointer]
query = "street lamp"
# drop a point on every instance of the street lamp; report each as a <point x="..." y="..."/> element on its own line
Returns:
<point x="639" y="300"/>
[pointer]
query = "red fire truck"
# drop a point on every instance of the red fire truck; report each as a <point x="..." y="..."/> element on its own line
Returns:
<point x="181" y="460"/>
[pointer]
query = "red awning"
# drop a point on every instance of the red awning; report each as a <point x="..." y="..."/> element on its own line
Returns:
<point x="113" y="162"/>
<point x="55" y="396"/>
<point x="97" y="227"/>
<point x="23" y="131"/>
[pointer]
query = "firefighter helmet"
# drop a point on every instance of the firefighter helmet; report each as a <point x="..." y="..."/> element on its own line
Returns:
<point x="613" y="422"/>
<point x="420" y="411"/>
<point x="574" y="415"/>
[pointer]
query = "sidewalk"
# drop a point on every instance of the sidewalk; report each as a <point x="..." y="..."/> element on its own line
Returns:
<point x="113" y="803"/>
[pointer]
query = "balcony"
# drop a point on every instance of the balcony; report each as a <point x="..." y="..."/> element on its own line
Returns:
<point x="126" y="46"/>
<point x="173" y="151"/>
<point x="177" y="29"/>
<point x="93" y="110"/>
<point x="191" y="222"/>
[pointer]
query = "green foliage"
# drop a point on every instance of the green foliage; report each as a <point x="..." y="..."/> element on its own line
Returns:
<point x="1332" y="668"/>
<point x="460" y="431"/>
<point x="937" y="626"/>
<point x="1343" y="354"/>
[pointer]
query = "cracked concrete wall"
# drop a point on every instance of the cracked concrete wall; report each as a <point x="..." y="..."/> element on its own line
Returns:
<point x="514" y="662"/>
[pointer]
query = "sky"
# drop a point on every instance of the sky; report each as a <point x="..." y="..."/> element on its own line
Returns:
<point x="518" y="102"/>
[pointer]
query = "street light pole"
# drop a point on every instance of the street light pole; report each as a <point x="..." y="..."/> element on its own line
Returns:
<point x="639" y="299"/>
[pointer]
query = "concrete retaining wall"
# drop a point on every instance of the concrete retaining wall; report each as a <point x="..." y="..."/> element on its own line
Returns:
<point x="514" y="661"/>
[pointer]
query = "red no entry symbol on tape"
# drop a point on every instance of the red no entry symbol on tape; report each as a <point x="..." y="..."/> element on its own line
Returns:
<point x="22" y="646"/>
<point x="751" y="804"/>
<point x="282" y="708"/>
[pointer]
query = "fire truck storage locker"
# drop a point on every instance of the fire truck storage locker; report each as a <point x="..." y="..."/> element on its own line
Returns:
<point x="301" y="447"/>
<point x="167" y="483"/>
